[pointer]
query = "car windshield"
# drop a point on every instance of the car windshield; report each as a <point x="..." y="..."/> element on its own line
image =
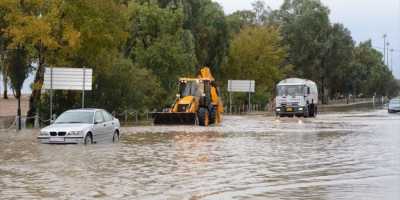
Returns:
<point x="190" y="88"/>
<point x="75" y="117"/>
<point x="395" y="101"/>
<point x="291" y="90"/>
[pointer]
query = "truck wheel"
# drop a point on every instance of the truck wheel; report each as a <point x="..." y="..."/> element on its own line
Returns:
<point x="306" y="113"/>
<point x="203" y="117"/>
<point x="213" y="115"/>
<point x="313" y="110"/>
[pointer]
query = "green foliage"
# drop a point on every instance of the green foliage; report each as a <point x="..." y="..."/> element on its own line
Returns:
<point x="256" y="53"/>
<point x="323" y="52"/>
<point x="337" y="59"/>
<point x="370" y="75"/>
<point x="207" y="22"/>
<point x="126" y="87"/>
<point x="305" y="27"/>
<point x="158" y="42"/>
<point x="139" y="48"/>
<point x="18" y="68"/>
<point x="100" y="31"/>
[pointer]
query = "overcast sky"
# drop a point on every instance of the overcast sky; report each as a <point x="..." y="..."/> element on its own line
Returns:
<point x="366" y="19"/>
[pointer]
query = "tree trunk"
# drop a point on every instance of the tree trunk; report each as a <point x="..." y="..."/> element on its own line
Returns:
<point x="323" y="91"/>
<point x="5" y="89"/>
<point x="34" y="99"/>
<point x="5" y="95"/>
<point x="19" y="109"/>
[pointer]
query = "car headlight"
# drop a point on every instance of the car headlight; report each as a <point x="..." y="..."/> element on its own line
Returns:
<point x="44" y="133"/>
<point x="300" y="109"/>
<point x="75" y="133"/>
<point x="278" y="109"/>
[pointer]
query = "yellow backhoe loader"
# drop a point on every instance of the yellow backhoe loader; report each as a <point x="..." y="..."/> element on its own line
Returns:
<point x="197" y="103"/>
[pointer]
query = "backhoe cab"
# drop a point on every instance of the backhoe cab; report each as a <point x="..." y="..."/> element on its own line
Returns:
<point x="197" y="103"/>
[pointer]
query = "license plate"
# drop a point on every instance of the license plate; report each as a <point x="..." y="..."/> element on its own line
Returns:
<point x="56" y="139"/>
<point x="289" y="109"/>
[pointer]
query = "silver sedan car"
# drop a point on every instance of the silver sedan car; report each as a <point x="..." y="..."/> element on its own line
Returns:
<point x="394" y="106"/>
<point x="85" y="126"/>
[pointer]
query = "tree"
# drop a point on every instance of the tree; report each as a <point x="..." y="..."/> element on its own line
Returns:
<point x="158" y="42"/>
<point x="257" y="53"/>
<point x="18" y="70"/>
<point x="239" y="20"/>
<point x="3" y="46"/>
<point x="138" y="89"/>
<point x="206" y="21"/>
<point x="370" y="75"/>
<point x="306" y="29"/>
<point x="336" y="58"/>
<point x="40" y="27"/>
<point x="261" y="13"/>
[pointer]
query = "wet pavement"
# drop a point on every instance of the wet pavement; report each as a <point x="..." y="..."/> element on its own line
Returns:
<point x="349" y="155"/>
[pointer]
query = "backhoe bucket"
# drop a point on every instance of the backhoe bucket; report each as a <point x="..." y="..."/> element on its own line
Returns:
<point x="169" y="118"/>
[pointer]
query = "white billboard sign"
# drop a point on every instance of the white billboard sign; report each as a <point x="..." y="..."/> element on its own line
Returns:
<point x="241" y="86"/>
<point x="68" y="78"/>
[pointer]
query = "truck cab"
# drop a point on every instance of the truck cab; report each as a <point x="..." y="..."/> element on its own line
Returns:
<point x="296" y="97"/>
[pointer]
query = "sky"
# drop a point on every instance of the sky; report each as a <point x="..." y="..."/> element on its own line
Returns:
<point x="366" y="19"/>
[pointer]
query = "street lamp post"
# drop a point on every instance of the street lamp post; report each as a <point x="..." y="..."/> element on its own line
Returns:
<point x="391" y="60"/>
<point x="387" y="53"/>
<point x="384" y="48"/>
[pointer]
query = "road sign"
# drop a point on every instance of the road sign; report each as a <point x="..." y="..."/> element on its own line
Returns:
<point x="241" y="86"/>
<point x="68" y="79"/>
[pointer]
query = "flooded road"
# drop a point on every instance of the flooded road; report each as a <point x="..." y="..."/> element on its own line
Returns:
<point x="350" y="155"/>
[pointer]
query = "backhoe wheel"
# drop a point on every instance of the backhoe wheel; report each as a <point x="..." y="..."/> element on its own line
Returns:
<point x="213" y="115"/>
<point x="203" y="117"/>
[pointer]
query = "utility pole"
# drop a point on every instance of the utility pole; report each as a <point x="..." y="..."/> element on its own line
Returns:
<point x="391" y="60"/>
<point x="384" y="48"/>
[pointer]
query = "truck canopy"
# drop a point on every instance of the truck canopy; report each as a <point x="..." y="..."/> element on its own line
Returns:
<point x="296" y="81"/>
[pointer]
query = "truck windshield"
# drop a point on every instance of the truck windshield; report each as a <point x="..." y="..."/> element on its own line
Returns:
<point x="291" y="90"/>
<point x="190" y="88"/>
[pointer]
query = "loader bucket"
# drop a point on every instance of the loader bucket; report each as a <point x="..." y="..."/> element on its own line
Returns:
<point x="169" y="118"/>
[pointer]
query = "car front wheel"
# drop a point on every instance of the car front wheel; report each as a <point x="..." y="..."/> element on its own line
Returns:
<point x="116" y="137"/>
<point x="88" y="139"/>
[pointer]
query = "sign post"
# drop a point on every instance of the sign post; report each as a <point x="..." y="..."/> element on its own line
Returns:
<point x="51" y="94"/>
<point x="83" y="87"/>
<point x="79" y="79"/>
<point x="247" y="86"/>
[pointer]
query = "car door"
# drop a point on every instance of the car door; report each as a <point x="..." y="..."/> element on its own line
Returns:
<point x="99" y="126"/>
<point x="110" y="126"/>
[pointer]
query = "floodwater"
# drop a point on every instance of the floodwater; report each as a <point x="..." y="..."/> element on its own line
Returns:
<point x="350" y="155"/>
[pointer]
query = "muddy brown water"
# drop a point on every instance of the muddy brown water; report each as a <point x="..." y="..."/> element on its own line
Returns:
<point x="349" y="155"/>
